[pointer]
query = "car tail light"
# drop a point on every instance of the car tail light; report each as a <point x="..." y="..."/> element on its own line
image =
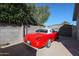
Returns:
<point x="28" y="42"/>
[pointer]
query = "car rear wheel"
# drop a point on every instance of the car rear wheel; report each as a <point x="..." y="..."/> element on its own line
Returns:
<point x="56" y="39"/>
<point x="48" y="43"/>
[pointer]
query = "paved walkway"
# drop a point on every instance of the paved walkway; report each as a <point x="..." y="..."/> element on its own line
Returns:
<point x="57" y="49"/>
<point x="65" y="46"/>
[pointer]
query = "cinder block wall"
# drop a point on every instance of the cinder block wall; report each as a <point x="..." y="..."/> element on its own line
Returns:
<point x="56" y="27"/>
<point x="32" y="28"/>
<point x="10" y="34"/>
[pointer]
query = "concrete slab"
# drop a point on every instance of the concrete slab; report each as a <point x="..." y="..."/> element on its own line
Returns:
<point x="57" y="49"/>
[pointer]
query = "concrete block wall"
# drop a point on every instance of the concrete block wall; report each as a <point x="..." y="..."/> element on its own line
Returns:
<point x="10" y="34"/>
<point x="32" y="29"/>
<point x="56" y="27"/>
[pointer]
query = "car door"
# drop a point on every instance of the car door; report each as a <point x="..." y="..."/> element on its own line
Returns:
<point x="50" y="35"/>
<point x="53" y="34"/>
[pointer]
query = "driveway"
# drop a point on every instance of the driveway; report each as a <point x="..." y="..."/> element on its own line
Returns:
<point x="18" y="50"/>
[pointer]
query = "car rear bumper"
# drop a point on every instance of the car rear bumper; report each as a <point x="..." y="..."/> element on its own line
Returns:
<point x="31" y="46"/>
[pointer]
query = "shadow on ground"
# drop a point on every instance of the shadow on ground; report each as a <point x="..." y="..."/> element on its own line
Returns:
<point x="72" y="45"/>
<point x="18" y="50"/>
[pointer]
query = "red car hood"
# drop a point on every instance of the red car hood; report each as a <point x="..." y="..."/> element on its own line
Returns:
<point x="34" y="36"/>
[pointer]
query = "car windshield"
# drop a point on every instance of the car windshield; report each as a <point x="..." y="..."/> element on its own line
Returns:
<point x="42" y="30"/>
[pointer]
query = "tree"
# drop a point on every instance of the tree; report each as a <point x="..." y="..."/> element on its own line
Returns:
<point x="21" y="13"/>
<point x="65" y="22"/>
<point x="13" y="13"/>
<point x="41" y="14"/>
<point x="18" y="13"/>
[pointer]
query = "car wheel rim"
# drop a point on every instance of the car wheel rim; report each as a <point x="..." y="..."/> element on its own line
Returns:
<point x="49" y="43"/>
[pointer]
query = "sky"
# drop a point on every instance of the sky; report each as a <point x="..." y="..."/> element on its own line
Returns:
<point x="59" y="12"/>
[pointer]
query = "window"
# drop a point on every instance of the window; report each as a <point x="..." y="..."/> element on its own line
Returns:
<point x="42" y="30"/>
<point x="53" y="30"/>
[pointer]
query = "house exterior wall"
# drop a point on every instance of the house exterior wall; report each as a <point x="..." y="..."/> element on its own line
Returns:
<point x="76" y="18"/>
<point x="74" y="32"/>
<point x="78" y="26"/>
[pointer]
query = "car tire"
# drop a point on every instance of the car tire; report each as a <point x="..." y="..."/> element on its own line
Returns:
<point x="56" y="39"/>
<point x="48" y="43"/>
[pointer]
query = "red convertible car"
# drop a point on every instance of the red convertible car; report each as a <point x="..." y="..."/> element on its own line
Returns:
<point x="41" y="38"/>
